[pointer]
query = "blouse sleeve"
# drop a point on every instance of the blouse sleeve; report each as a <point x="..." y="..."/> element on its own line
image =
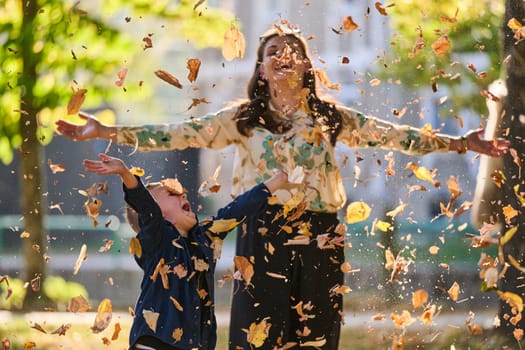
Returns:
<point x="360" y="130"/>
<point x="214" y="131"/>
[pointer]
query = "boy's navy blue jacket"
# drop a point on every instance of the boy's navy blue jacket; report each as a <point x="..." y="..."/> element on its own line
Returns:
<point x="191" y="324"/>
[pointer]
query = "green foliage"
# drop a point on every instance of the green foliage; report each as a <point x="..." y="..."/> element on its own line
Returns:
<point x="16" y="299"/>
<point x="473" y="29"/>
<point x="61" y="291"/>
<point x="80" y="48"/>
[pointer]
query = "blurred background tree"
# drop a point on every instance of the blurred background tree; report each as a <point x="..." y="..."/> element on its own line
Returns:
<point x="49" y="48"/>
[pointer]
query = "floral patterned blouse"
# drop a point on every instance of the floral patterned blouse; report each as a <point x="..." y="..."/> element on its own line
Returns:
<point x="304" y="148"/>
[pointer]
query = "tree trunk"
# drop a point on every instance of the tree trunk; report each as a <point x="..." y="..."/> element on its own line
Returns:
<point x="31" y="167"/>
<point x="512" y="127"/>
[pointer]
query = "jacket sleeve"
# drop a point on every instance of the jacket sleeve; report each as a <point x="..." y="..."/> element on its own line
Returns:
<point x="151" y="221"/>
<point x="248" y="203"/>
<point x="360" y="130"/>
<point x="214" y="131"/>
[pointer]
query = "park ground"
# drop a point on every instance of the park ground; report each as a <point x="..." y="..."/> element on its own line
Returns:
<point x="448" y="330"/>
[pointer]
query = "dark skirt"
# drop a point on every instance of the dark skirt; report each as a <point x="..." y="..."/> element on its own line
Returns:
<point x="292" y="293"/>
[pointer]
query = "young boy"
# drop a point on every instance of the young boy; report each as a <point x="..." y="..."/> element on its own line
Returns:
<point x="175" y="309"/>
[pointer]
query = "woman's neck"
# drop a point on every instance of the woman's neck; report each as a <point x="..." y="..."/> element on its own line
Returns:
<point x="287" y="103"/>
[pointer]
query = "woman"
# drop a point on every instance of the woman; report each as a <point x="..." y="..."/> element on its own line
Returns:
<point x="296" y="248"/>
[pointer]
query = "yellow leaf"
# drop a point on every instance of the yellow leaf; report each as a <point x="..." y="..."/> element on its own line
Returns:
<point x="104" y="315"/>
<point x="234" y="44"/>
<point x="258" y="333"/>
<point x="223" y="225"/>
<point x="515" y="263"/>
<point x="137" y="171"/>
<point x="514" y="300"/>
<point x="135" y="247"/>
<point x="520" y="198"/>
<point x="514" y="24"/>
<point x="356" y="212"/>
<point x="423" y="173"/>
<point x="508" y="235"/>
<point x="383" y="225"/>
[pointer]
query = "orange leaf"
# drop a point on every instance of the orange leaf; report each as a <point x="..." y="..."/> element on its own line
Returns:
<point x="76" y="101"/>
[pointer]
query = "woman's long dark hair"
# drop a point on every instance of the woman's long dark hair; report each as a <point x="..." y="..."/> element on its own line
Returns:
<point x="257" y="112"/>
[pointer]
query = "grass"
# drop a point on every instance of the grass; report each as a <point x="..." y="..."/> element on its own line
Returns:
<point x="18" y="329"/>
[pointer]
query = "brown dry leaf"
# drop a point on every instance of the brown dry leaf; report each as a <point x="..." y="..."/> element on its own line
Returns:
<point x="379" y="7"/>
<point x="92" y="207"/>
<point x="148" y="43"/>
<point x="5" y="278"/>
<point x="56" y="168"/>
<point x="116" y="331"/>
<point x="177" y="334"/>
<point x="173" y="186"/>
<point x="441" y="46"/>
<point x="76" y="101"/>
<point x="193" y="65"/>
<point x="82" y="256"/>
<point x="419" y="298"/>
<point x="258" y="333"/>
<point x="403" y="320"/>
<point x="151" y="319"/>
<point x="453" y="188"/>
<point x="168" y="78"/>
<point x="427" y="315"/>
<point x="245" y="268"/>
<point x="349" y="25"/>
<point x="135" y="247"/>
<point x="196" y="101"/>
<point x="62" y="329"/>
<point x="509" y="212"/>
<point x="38" y="328"/>
<point x="108" y="243"/>
<point x="234" y="44"/>
<point x="121" y="75"/>
<point x="104" y="315"/>
<point x="454" y="291"/>
<point x="78" y="304"/>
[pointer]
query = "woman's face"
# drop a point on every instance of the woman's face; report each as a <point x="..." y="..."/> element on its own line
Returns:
<point x="284" y="61"/>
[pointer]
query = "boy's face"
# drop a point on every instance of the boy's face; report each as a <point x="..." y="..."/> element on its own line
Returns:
<point x="175" y="208"/>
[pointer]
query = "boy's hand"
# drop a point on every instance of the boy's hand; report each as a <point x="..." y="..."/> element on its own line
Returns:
<point x="277" y="181"/>
<point x="111" y="165"/>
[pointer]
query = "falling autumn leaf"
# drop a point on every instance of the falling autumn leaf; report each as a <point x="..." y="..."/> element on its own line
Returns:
<point x="453" y="291"/>
<point x="258" y="333"/>
<point x="56" y="168"/>
<point x="173" y="186"/>
<point x="196" y="101"/>
<point x="78" y="304"/>
<point x="441" y="46"/>
<point x="349" y="25"/>
<point x="76" y="101"/>
<point x="137" y="171"/>
<point x="357" y="212"/>
<point x="244" y="267"/>
<point x="234" y="44"/>
<point x="424" y="174"/>
<point x="223" y="225"/>
<point x="121" y="75"/>
<point x="82" y="256"/>
<point x="193" y="65"/>
<point x="103" y="317"/>
<point x="151" y="319"/>
<point x="116" y="331"/>
<point x="135" y="248"/>
<point x="419" y="298"/>
<point x="379" y="7"/>
<point x="168" y="78"/>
